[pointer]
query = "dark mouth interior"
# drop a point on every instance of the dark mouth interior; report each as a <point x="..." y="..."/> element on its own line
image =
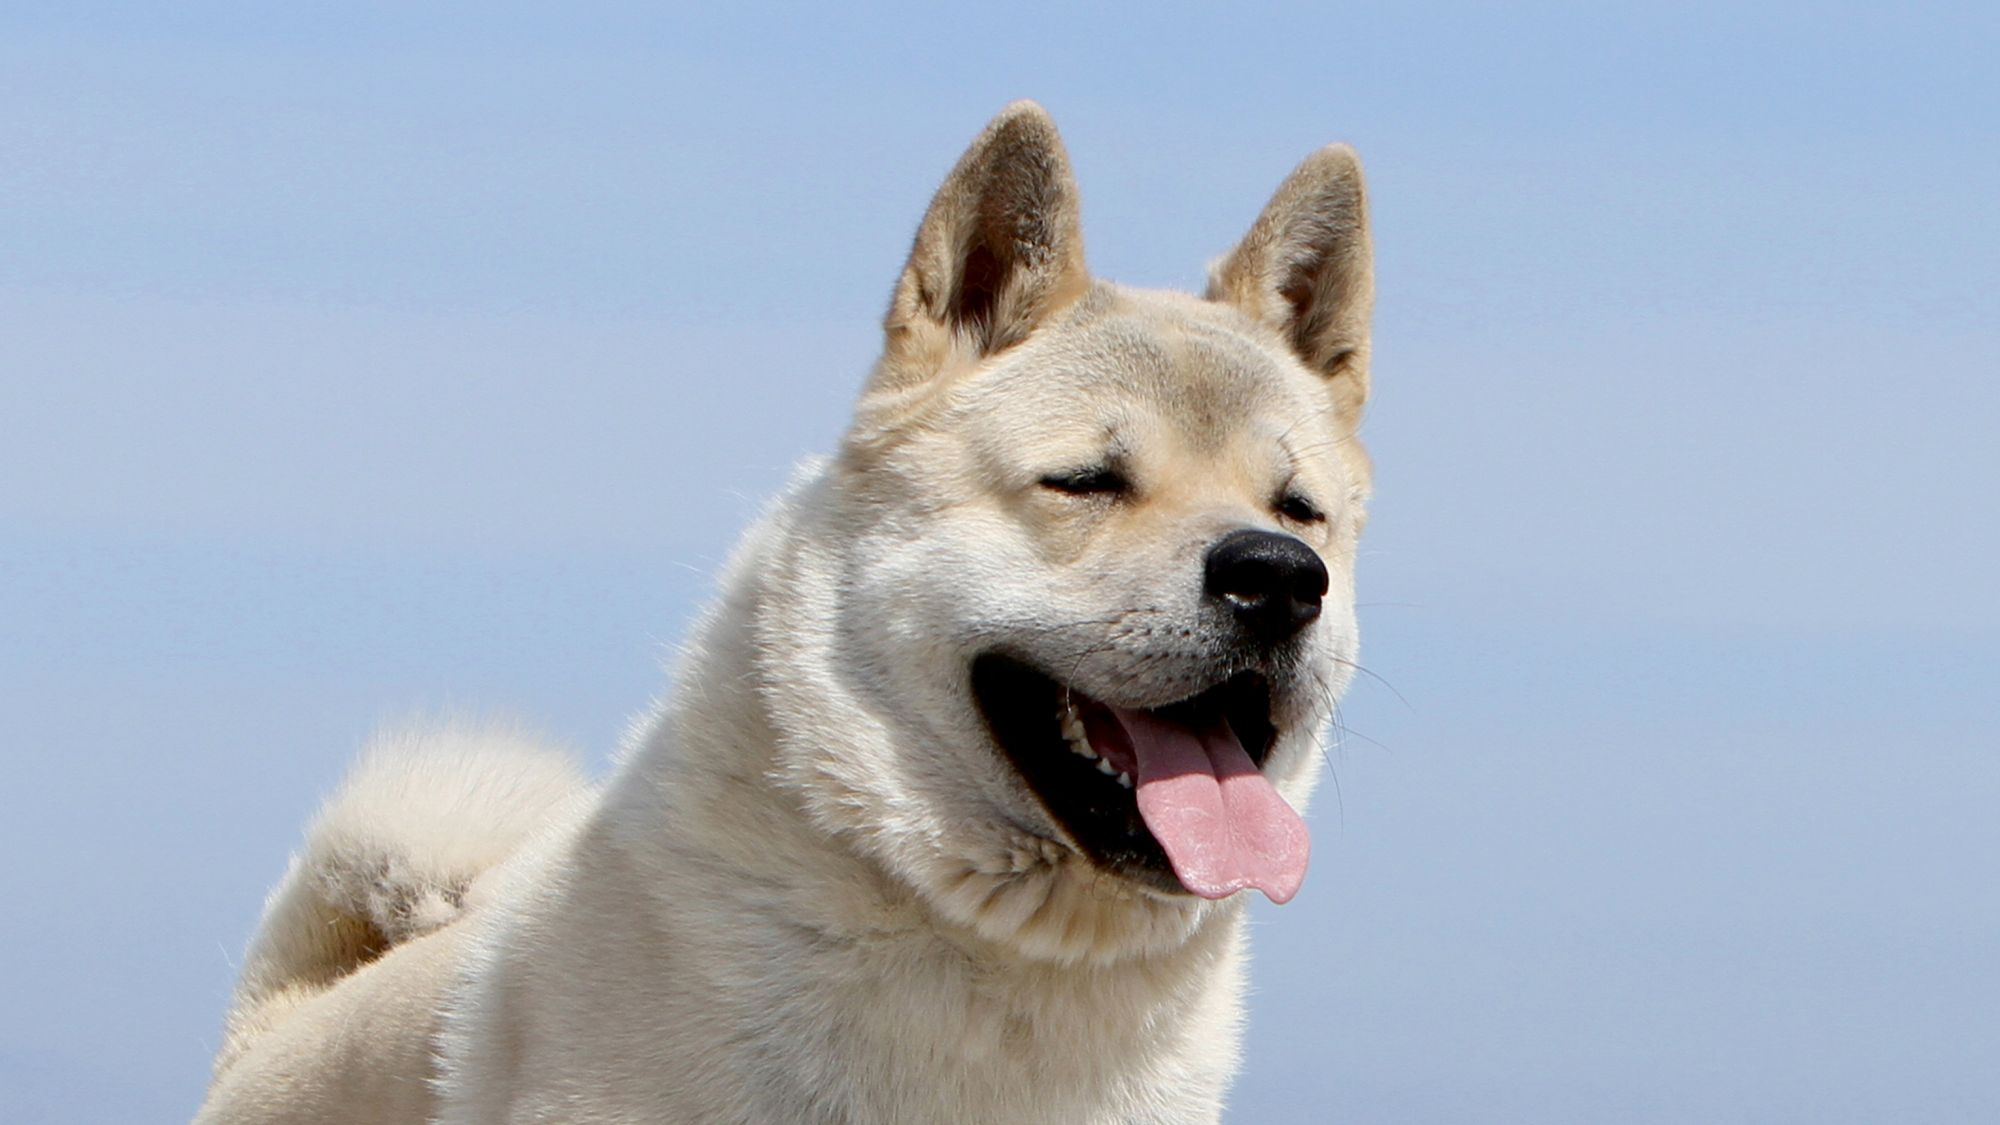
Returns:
<point x="1022" y="707"/>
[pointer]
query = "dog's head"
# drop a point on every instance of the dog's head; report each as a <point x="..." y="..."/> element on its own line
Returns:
<point x="1095" y="558"/>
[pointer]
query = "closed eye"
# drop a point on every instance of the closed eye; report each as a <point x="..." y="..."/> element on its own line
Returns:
<point x="1294" y="506"/>
<point x="1092" y="480"/>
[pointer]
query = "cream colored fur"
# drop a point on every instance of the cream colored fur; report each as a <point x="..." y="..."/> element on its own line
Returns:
<point x="815" y="891"/>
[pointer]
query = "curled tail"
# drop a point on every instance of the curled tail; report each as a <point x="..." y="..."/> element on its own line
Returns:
<point x="392" y="856"/>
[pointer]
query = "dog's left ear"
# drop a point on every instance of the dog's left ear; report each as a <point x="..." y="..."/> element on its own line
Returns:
<point x="999" y="250"/>
<point x="1306" y="269"/>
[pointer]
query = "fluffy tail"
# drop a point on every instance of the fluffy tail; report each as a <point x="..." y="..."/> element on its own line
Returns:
<point x="391" y="857"/>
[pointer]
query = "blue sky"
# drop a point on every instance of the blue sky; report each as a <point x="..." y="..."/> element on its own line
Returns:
<point x="363" y="362"/>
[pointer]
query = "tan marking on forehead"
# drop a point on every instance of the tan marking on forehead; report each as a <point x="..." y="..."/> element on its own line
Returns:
<point x="1219" y="384"/>
<point x="1195" y="364"/>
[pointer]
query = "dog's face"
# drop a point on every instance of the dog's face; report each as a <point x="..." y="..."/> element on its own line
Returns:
<point x="1097" y="559"/>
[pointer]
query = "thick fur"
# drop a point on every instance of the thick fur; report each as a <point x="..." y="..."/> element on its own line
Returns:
<point x="816" y="891"/>
<point x="396" y="855"/>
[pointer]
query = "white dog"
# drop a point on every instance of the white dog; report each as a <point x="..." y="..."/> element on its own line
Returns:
<point x="945" y="819"/>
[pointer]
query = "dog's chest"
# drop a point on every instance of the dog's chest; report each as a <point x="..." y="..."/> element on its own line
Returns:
<point x="915" y="1031"/>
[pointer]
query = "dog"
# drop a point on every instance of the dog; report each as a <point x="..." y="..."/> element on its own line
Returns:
<point x="997" y="712"/>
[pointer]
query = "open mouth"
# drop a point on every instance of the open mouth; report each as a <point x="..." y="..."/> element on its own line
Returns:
<point x="1172" y="796"/>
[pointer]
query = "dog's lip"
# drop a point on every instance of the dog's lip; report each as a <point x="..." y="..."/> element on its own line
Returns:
<point x="1238" y="682"/>
<point x="1132" y="698"/>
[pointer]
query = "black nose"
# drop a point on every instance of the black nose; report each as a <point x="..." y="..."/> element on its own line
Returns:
<point x="1271" y="582"/>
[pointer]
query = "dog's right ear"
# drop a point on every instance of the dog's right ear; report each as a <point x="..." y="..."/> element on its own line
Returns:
<point x="1306" y="269"/>
<point x="999" y="250"/>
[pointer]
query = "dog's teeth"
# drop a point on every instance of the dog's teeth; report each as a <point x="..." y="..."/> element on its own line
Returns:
<point x="1125" y="779"/>
<point x="1073" y="732"/>
<point x="1106" y="768"/>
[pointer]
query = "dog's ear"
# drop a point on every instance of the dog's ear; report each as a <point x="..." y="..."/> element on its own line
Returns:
<point x="999" y="250"/>
<point x="1306" y="269"/>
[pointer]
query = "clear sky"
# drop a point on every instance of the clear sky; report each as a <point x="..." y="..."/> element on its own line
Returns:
<point x="359" y="362"/>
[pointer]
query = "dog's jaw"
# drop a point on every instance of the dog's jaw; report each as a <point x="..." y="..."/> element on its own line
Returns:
<point x="1048" y="902"/>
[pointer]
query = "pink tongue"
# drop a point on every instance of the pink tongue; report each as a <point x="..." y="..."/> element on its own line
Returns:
<point x="1221" y="823"/>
